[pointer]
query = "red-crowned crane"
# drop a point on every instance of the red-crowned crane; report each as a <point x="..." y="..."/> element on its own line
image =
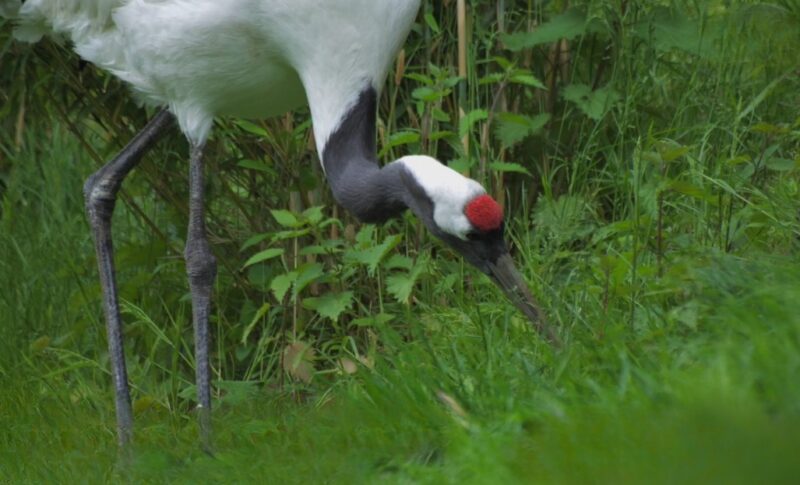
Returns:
<point x="254" y="59"/>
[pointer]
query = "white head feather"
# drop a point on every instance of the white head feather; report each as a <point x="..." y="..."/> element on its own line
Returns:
<point x="449" y="190"/>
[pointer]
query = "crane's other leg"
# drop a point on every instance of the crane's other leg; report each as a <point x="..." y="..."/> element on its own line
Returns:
<point x="201" y="267"/>
<point x="100" y="192"/>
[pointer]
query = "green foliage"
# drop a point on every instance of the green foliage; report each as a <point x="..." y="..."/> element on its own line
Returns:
<point x="649" y="165"/>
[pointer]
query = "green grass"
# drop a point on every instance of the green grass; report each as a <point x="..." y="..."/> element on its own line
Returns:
<point x="707" y="392"/>
<point x="656" y="218"/>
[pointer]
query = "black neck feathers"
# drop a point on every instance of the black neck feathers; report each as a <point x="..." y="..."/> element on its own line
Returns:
<point x="371" y="193"/>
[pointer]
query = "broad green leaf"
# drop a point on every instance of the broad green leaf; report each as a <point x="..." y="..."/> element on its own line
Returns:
<point x="398" y="261"/>
<point x="594" y="104"/>
<point x="400" y="285"/>
<point x="285" y="218"/>
<point x="282" y="235"/>
<point x="330" y="305"/>
<point x="567" y="25"/>
<point x="371" y="257"/>
<point x="468" y="120"/>
<point x="306" y="274"/>
<point x="313" y="215"/>
<point x="508" y="167"/>
<point x="512" y="128"/>
<point x="281" y="284"/>
<point x="398" y="139"/>
<point x="429" y="94"/>
<point x="263" y="256"/>
<point x="527" y="79"/>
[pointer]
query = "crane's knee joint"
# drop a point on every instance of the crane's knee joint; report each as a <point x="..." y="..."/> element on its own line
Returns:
<point x="201" y="265"/>
<point x="100" y="196"/>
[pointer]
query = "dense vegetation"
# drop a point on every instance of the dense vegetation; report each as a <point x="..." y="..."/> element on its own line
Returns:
<point x="648" y="153"/>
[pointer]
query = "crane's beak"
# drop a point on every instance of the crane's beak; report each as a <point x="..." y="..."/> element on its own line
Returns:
<point x="509" y="279"/>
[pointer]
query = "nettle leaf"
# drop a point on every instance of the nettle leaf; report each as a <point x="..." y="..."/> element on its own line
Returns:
<point x="469" y="119"/>
<point x="512" y="128"/>
<point x="330" y="305"/>
<point x="667" y="30"/>
<point x="400" y="285"/>
<point x="372" y="257"/>
<point x="429" y="94"/>
<point x="567" y="25"/>
<point x="594" y="104"/>
<point x="306" y="274"/>
<point x="313" y="215"/>
<point x="285" y="218"/>
<point x="508" y="167"/>
<point x="527" y="79"/>
<point x="398" y="139"/>
<point x="281" y="284"/>
<point x="264" y="255"/>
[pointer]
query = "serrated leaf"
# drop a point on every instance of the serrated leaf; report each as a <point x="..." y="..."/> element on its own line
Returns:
<point x="428" y="94"/>
<point x="527" y="79"/>
<point x="285" y="218"/>
<point x="371" y="257"/>
<point x="508" y="167"/>
<point x="263" y="256"/>
<point x="313" y="215"/>
<point x="512" y="128"/>
<point x="568" y="25"/>
<point x="306" y="274"/>
<point x="468" y="120"/>
<point x="330" y="305"/>
<point x="398" y="261"/>
<point x="398" y="139"/>
<point x="280" y="284"/>
<point x="594" y="104"/>
<point x="400" y="285"/>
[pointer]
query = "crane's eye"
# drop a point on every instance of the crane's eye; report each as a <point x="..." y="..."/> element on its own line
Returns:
<point x="473" y="235"/>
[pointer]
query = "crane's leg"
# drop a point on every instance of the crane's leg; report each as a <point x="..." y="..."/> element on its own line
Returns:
<point x="100" y="192"/>
<point x="202" y="269"/>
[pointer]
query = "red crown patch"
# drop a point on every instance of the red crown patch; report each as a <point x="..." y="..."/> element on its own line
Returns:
<point x="484" y="213"/>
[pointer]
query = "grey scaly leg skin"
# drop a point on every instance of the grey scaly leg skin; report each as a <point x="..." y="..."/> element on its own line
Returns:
<point x="202" y="269"/>
<point x="100" y="192"/>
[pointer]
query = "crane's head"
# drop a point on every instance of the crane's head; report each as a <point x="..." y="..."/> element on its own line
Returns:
<point x="458" y="210"/>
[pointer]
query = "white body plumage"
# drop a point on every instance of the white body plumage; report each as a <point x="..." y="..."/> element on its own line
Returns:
<point x="248" y="58"/>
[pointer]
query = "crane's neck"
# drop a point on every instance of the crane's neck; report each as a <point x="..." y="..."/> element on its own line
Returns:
<point x="371" y="193"/>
